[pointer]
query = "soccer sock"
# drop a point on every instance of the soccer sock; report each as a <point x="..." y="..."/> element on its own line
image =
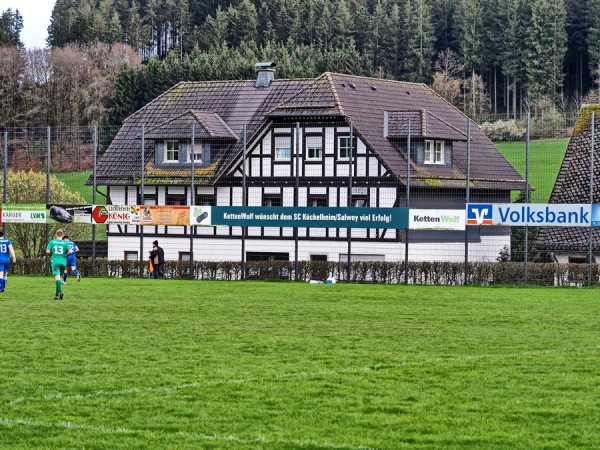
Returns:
<point x="76" y="271"/>
<point x="2" y="283"/>
<point x="58" y="287"/>
<point x="65" y="275"/>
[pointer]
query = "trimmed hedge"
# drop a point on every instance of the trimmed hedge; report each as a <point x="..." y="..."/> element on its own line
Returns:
<point x="392" y="272"/>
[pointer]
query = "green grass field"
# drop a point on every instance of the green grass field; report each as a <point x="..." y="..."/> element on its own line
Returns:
<point x="545" y="158"/>
<point x="175" y="364"/>
<point x="75" y="181"/>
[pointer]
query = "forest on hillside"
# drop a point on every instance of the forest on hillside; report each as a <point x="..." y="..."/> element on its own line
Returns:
<point x="107" y="58"/>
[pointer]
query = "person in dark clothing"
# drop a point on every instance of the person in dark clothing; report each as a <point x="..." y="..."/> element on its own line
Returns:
<point x="158" y="258"/>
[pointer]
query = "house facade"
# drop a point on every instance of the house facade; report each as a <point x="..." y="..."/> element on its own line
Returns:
<point x="333" y="141"/>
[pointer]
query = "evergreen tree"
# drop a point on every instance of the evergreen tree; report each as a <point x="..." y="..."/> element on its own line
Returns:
<point x="11" y="24"/>
<point x="546" y="48"/>
<point x="418" y="41"/>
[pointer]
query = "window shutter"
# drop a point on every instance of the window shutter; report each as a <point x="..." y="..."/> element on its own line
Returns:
<point x="206" y="154"/>
<point x="159" y="153"/>
<point x="419" y="150"/>
<point x="448" y="154"/>
<point x="183" y="157"/>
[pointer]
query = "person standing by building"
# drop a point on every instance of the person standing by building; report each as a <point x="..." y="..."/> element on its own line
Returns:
<point x="59" y="249"/>
<point x="158" y="259"/>
<point x="7" y="254"/>
<point x="71" y="260"/>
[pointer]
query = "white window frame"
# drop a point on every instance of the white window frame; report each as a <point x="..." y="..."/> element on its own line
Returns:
<point x="347" y="147"/>
<point x="171" y="152"/>
<point x="198" y="151"/>
<point x="433" y="152"/>
<point x="314" y="147"/>
<point x="283" y="148"/>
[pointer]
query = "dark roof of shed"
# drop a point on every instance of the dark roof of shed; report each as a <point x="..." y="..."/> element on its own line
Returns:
<point x="573" y="186"/>
<point x="360" y="100"/>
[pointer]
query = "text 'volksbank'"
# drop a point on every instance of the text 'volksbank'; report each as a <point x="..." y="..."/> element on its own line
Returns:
<point x="570" y="215"/>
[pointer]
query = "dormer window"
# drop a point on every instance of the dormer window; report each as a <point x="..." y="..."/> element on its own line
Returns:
<point x="171" y="152"/>
<point x="196" y="153"/>
<point x="433" y="152"/>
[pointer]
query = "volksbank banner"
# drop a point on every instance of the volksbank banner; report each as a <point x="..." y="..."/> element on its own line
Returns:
<point x="534" y="214"/>
<point x="318" y="217"/>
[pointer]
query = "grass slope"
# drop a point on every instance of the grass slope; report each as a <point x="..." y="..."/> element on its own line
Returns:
<point x="173" y="364"/>
<point x="545" y="158"/>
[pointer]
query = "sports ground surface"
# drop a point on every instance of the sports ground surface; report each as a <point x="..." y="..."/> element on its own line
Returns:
<point x="177" y="364"/>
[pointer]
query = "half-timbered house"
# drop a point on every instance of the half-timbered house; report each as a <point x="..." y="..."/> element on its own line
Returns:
<point x="332" y="141"/>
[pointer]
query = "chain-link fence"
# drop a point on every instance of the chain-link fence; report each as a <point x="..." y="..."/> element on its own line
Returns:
<point x="324" y="176"/>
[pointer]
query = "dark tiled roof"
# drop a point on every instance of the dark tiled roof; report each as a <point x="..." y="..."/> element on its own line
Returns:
<point x="573" y="186"/>
<point x="423" y="124"/>
<point x="205" y="125"/>
<point x="359" y="100"/>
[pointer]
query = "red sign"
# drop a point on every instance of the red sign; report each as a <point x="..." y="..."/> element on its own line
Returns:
<point x="99" y="214"/>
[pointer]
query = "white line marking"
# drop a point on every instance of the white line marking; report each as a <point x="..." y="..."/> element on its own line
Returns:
<point x="60" y="396"/>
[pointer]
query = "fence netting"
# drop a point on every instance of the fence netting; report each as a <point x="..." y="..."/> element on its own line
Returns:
<point x="324" y="168"/>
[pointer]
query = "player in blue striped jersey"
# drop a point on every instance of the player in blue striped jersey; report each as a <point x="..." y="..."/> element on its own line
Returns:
<point x="71" y="260"/>
<point x="7" y="254"/>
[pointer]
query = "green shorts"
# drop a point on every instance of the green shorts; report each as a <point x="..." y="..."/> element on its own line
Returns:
<point x="58" y="270"/>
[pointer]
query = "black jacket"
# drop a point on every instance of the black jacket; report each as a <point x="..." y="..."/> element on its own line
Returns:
<point x="161" y="255"/>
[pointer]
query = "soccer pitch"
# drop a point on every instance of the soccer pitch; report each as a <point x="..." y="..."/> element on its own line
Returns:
<point x="177" y="364"/>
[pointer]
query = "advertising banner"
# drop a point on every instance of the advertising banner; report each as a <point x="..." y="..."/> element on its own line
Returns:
<point x="317" y="217"/>
<point x="436" y="219"/>
<point x="24" y="213"/>
<point x="533" y="214"/>
<point x="116" y="214"/>
<point x="68" y="213"/>
<point x="201" y="215"/>
<point x="164" y="215"/>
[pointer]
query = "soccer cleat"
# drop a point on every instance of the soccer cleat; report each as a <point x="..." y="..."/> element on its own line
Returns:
<point x="78" y="277"/>
<point x="63" y="282"/>
<point x="61" y="295"/>
<point x="56" y="297"/>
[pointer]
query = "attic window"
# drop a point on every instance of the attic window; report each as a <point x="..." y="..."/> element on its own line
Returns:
<point x="197" y="153"/>
<point x="434" y="152"/>
<point x="171" y="152"/>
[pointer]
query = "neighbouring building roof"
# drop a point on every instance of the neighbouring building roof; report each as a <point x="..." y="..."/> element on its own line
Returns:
<point x="573" y="186"/>
<point x="377" y="108"/>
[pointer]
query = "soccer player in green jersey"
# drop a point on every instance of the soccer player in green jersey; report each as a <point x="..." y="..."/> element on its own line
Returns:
<point x="59" y="249"/>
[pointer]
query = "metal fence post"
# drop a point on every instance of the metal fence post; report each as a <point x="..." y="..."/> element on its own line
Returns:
<point x="408" y="145"/>
<point x="49" y="162"/>
<point x="349" y="230"/>
<point x="244" y="202"/>
<point x="593" y="143"/>
<point x="141" y="263"/>
<point x="94" y="187"/>
<point x="5" y="173"/>
<point x="296" y="195"/>
<point x="192" y="197"/>
<point x="526" y="253"/>
<point x="467" y="199"/>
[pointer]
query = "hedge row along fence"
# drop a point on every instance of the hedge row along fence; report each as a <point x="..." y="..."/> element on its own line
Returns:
<point x="437" y="273"/>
